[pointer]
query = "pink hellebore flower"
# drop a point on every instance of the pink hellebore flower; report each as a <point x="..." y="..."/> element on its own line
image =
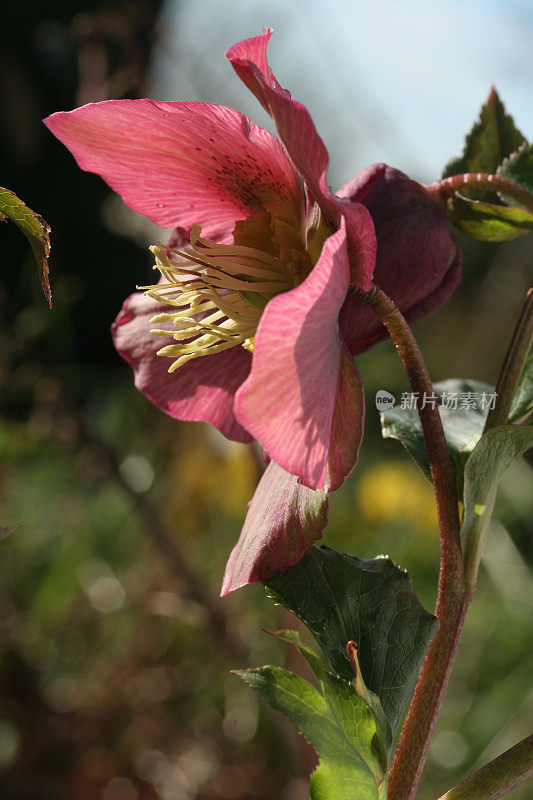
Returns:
<point x="253" y="298"/>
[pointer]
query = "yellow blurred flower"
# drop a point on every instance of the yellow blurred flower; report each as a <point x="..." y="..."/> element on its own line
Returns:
<point x="395" y="492"/>
<point x="213" y="474"/>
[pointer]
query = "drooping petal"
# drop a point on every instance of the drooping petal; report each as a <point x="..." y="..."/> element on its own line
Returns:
<point x="202" y="389"/>
<point x="182" y="163"/>
<point x="254" y="51"/>
<point x="303" y="400"/>
<point x="284" y="518"/>
<point x="418" y="261"/>
<point x="307" y="150"/>
<point x="348" y="421"/>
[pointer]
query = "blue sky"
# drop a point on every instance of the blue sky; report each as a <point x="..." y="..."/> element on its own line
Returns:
<point x="399" y="81"/>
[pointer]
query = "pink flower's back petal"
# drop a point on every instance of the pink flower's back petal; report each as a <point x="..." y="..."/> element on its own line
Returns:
<point x="284" y="518"/>
<point x="348" y="421"/>
<point x="361" y="239"/>
<point x="202" y="389"/>
<point x="418" y="260"/>
<point x="254" y="50"/>
<point x="181" y="163"/>
<point x="307" y="150"/>
<point x="301" y="383"/>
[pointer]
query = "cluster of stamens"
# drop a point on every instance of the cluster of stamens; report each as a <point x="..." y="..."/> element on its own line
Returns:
<point x="219" y="292"/>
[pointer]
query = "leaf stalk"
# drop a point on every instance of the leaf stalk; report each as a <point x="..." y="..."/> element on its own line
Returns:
<point x="480" y="181"/>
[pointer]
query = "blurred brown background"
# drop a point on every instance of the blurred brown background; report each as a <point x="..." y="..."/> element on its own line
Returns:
<point x="115" y="648"/>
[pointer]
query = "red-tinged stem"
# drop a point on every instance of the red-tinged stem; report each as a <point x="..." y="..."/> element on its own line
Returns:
<point x="438" y="454"/>
<point x="513" y="364"/>
<point x="424" y="709"/>
<point x="452" y="602"/>
<point x="482" y="182"/>
<point x="498" y="777"/>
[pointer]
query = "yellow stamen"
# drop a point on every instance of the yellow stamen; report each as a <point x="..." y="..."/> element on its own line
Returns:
<point x="219" y="291"/>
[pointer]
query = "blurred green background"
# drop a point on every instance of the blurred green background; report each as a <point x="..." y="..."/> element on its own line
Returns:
<point x="115" y="648"/>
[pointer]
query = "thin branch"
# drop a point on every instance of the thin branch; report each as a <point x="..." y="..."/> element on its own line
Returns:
<point x="513" y="364"/>
<point x="498" y="777"/>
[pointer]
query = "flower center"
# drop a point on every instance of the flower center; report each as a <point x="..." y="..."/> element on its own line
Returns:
<point x="219" y="291"/>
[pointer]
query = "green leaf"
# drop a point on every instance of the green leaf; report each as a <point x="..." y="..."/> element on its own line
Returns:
<point x="492" y="138"/>
<point x="490" y="223"/>
<point x="36" y="230"/>
<point x="519" y="168"/>
<point x="358" y="723"/>
<point x="492" y="455"/>
<point x="293" y="638"/>
<point x="371" y="699"/>
<point x="350" y="704"/>
<point x="342" y="774"/>
<point x="463" y="425"/>
<point x="522" y="404"/>
<point x="345" y="599"/>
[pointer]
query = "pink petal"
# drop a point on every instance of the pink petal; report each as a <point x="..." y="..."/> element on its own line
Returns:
<point x="254" y="51"/>
<point x="284" y="518"/>
<point x="418" y="260"/>
<point x="303" y="400"/>
<point x="348" y="421"/>
<point x="202" y="389"/>
<point x="181" y="163"/>
<point x="307" y="150"/>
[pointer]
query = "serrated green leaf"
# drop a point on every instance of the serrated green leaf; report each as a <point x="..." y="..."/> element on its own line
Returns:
<point x="522" y="404"/>
<point x="341" y="774"/>
<point x="371" y="699"/>
<point x="463" y="426"/>
<point x="357" y="722"/>
<point x="488" y="222"/>
<point x="359" y="713"/>
<point x="342" y="598"/>
<point x="490" y="458"/>
<point x="293" y="638"/>
<point x="492" y="138"/>
<point x="519" y="168"/>
<point x="36" y="230"/>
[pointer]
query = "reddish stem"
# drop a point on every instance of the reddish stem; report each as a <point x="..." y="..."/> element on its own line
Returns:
<point x="483" y="182"/>
<point x="452" y="602"/>
<point x="417" y="733"/>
